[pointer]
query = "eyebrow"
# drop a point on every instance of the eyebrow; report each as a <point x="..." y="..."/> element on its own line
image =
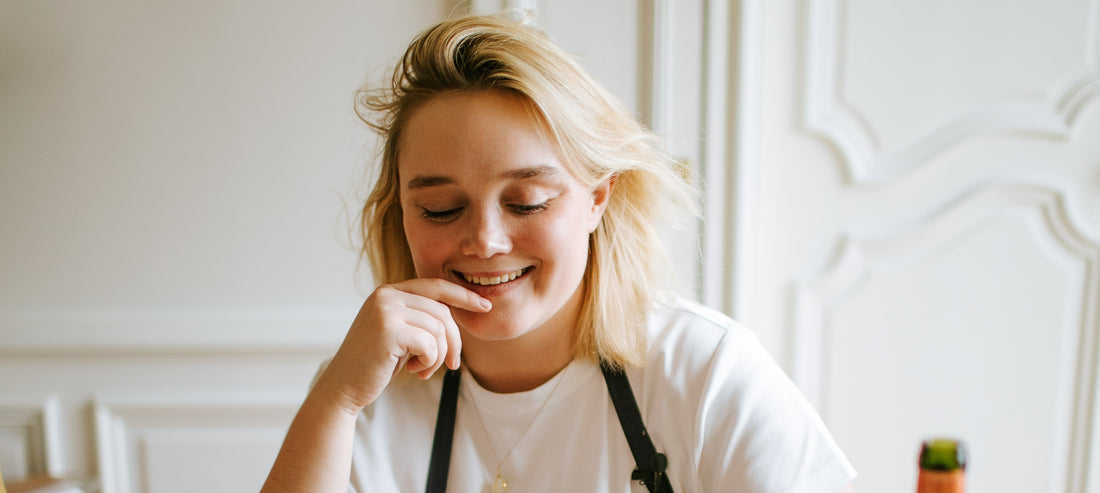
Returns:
<point x="426" y="181"/>
<point x="429" y="181"/>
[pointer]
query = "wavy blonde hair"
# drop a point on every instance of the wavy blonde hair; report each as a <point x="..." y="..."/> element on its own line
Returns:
<point x="597" y="137"/>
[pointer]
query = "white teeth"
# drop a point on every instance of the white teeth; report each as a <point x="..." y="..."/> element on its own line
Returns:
<point x="492" y="281"/>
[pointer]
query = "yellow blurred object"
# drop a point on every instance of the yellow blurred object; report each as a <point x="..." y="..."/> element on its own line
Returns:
<point x="42" y="485"/>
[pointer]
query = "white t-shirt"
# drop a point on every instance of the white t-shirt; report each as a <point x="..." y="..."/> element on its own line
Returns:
<point x="712" y="399"/>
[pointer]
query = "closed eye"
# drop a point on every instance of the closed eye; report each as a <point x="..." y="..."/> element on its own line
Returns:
<point x="440" y="216"/>
<point x="527" y="209"/>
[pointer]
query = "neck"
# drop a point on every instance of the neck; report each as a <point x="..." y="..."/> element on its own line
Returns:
<point x="516" y="365"/>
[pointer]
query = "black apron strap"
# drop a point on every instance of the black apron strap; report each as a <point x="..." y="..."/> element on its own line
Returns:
<point x="650" y="464"/>
<point x="444" y="433"/>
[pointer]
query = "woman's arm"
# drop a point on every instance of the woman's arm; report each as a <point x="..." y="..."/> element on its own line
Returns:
<point x="408" y="325"/>
<point x="316" y="454"/>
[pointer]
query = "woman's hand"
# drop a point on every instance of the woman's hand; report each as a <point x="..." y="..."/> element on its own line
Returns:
<point x="407" y="324"/>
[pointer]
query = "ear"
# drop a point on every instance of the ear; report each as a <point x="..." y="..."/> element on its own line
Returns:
<point x="601" y="195"/>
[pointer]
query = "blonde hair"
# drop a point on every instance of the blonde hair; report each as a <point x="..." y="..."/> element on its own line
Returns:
<point x="598" y="139"/>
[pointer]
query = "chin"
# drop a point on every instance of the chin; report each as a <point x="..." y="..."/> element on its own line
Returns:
<point x="489" y="326"/>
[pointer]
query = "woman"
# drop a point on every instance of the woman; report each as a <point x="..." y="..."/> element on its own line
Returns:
<point x="512" y="227"/>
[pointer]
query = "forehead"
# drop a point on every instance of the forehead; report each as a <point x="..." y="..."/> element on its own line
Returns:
<point x="476" y="134"/>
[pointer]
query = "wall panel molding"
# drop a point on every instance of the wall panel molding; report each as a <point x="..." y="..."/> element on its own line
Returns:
<point x="814" y="300"/>
<point x="730" y="155"/>
<point x="121" y="334"/>
<point x="490" y="7"/>
<point x="32" y="436"/>
<point x="853" y="135"/>
<point x="127" y="429"/>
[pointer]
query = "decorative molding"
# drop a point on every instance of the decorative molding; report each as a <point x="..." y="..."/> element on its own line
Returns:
<point x="729" y="168"/>
<point x="122" y="427"/>
<point x="124" y="334"/>
<point x="37" y="420"/>
<point x="858" y="257"/>
<point x="528" y="9"/>
<point x="746" y="160"/>
<point x="854" y="136"/>
<point x="729" y="155"/>
<point x="656" y="46"/>
<point x="716" y="229"/>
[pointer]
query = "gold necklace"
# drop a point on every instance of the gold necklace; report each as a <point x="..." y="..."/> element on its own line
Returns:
<point x="499" y="484"/>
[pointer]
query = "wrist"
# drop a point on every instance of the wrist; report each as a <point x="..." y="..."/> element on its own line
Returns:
<point x="331" y="398"/>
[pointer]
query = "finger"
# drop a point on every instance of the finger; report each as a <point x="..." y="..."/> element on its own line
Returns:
<point x="449" y="336"/>
<point x="446" y="292"/>
<point x="441" y="348"/>
<point x="404" y="360"/>
<point x="420" y="346"/>
<point x="454" y="344"/>
<point x="434" y="318"/>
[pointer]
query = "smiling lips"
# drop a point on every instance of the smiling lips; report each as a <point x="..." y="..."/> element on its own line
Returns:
<point x="493" y="280"/>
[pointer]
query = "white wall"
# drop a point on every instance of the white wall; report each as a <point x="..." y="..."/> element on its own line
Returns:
<point x="179" y="183"/>
<point x="178" y="186"/>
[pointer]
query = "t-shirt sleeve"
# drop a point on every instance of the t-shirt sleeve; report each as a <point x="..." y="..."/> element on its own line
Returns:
<point x="757" y="431"/>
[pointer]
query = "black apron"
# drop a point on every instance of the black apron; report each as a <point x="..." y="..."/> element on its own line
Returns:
<point x="650" y="464"/>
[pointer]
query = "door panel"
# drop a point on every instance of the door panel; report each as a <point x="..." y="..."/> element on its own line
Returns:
<point x="928" y="229"/>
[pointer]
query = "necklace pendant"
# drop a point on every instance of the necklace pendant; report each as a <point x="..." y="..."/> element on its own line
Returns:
<point x="499" y="484"/>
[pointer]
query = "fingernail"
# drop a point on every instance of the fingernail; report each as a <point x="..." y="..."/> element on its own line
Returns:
<point x="486" y="304"/>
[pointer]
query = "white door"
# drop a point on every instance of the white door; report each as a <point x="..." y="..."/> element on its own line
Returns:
<point x="919" y="194"/>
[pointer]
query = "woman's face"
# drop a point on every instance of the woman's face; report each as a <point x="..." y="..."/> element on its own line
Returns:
<point x="488" y="204"/>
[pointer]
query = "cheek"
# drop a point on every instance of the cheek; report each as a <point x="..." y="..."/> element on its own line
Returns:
<point x="566" y="239"/>
<point x="426" y="249"/>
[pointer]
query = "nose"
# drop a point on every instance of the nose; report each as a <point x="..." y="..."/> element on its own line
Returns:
<point x="486" y="235"/>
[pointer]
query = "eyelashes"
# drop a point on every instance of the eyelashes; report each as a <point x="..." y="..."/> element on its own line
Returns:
<point x="440" y="216"/>
<point x="528" y="209"/>
<point x="446" y="215"/>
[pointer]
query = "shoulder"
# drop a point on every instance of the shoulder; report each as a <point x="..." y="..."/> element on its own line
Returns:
<point x="709" y="378"/>
<point x="712" y="357"/>
<point x="687" y="335"/>
<point x="697" y="355"/>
